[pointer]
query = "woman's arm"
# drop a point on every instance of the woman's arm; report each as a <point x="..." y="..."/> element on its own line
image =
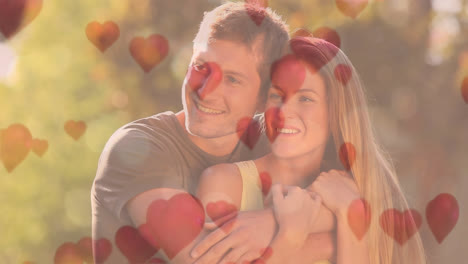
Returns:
<point x="338" y="191"/>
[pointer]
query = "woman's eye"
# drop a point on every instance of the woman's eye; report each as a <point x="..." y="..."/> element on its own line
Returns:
<point x="306" y="99"/>
<point x="199" y="67"/>
<point x="274" y="96"/>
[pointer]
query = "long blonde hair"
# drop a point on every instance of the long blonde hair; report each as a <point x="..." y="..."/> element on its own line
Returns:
<point x="372" y="168"/>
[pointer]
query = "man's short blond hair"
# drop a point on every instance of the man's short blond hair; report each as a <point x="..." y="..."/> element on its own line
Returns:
<point x="259" y="29"/>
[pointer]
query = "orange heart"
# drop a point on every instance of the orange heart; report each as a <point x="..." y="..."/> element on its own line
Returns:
<point x="351" y="8"/>
<point x="400" y="226"/>
<point x="16" y="14"/>
<point x="15" y="144"/>
<point x="68" y="253"/>
<point x="266" y="181"/>
<point x="464" y="89"/>
<point x="302" y="32"/>
<point x="347" y="155"/>
<point x="329" y="35"/>
<point x="149" y="52"/>
<point x="102" y="35"/>
<point x="359" y="217"/>
<point x="39" y="146"/>
<point x="75" y="128"/>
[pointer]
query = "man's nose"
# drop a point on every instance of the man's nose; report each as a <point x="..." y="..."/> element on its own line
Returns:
<point x="212" y="80"/>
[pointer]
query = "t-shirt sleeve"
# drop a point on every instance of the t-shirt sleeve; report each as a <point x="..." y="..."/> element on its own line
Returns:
<point x="131" y="163"/>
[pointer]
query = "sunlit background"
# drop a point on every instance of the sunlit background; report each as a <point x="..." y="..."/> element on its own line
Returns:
<point x="411" y="54"/>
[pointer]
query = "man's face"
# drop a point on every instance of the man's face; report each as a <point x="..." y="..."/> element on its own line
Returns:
<point x="220" y="88"/>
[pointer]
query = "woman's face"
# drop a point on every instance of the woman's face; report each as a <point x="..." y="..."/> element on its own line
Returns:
<point x="297" y="111"/>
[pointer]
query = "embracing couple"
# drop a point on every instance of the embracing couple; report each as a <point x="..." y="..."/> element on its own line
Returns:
<point x="305" y="181"/>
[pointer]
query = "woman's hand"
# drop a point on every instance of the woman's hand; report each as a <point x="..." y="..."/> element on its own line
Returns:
<point x="337" y="189"/>
<point x="295" y="212"/>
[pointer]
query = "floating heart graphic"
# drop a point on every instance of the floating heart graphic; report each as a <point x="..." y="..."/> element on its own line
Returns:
<point x="266" y="254"/>
<point x="266" y="181"/>
<point x="204" y="79"/>
<point x="464" y="89"/>
<point x="347" y="154"/>
<point x="302" y="32"/>
<point x="39" y="146"/>
<point x="85" y="247"/>
<point x="315" y="52"/>
<point x="274" y="119"/>
<point x="133" y="246"/>
<point x="288" y="74"/>
<point x="15" y="144"/>
<point x="75" y="128"/>
<point x="256" y="10"/>
<point x="68" y="253"/>
<point x="343" y="73"/>
<point x="220" y="209"/>
<point x="155" y="261"/>
<point x="400" y="226"/>
<point x="442" y="215"/>
<point x="329" y="35"/>
<point x="175" y="223"/>
<point x="359" y="217"/>
<point x="351" y="8"/>
<point x="248" y="131"/>
<point x="102" y="35"/>
<point x="16" y="14"/>
<point x="149" y="52"/>
<point x="102" y="248"/>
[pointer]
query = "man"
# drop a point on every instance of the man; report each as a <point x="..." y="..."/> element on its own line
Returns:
<point x="153" y="162"/>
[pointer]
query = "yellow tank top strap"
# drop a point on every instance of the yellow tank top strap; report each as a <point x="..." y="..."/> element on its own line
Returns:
<point x="252" y="198"/>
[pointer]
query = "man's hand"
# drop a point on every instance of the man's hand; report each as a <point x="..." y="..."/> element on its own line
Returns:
<point x="247" y="235"/>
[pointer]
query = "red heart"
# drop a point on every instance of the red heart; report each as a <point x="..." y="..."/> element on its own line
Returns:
<point x="102" y="248"/>
<point x="400" y="226"/>
<point x="464" y="89"/>
<point x="329" y="35"/>
<point x="347" y="155"/>
<point x="343" y="73"/>
<point x="359" y="217"/>
<point x="266" y="181"/>
<point x="274" y="119"/>
<point x="156" y="261"/>
<point x="133" y="246"/>
<point x="248" y="131"/>
<point x="68" y="253"/>
<point x="102" y="35"/>
<point x="288" y="73"/>
<point x="220" y="209"/>
<point x="15" y="144"/>
<point x="75" y="128"/>
<point x="351" y="8"/>
<point x="176" y="222"/>
<point x="39" y="146"/>
<point x="204" y="79"/>
<point x="16" y="14"/>
<point x="442" y="215"/>
<point x="256" y="10"/>
<point x="149" y="52"/>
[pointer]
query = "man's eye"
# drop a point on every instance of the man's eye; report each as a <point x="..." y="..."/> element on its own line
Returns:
<point x="231" y="79"/>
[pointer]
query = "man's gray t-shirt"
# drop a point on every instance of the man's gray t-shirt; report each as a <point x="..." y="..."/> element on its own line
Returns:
<point x="149" y="153"/>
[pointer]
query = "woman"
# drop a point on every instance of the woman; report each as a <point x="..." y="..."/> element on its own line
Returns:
<point x="317" y="119"/>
